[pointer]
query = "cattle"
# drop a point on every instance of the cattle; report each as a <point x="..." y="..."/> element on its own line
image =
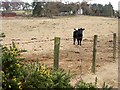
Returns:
<point x="78" y="34"/>
<point x="74" y="36"/>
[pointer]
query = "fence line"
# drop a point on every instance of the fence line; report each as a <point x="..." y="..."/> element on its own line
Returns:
<point x="48" y="40"/>
<point x="94" y="50"/>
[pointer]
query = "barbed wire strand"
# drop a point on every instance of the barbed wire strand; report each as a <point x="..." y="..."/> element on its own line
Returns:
<point x="48" y="40"/>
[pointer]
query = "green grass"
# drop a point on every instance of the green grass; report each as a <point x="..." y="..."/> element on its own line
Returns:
<point x="21" y="12"/>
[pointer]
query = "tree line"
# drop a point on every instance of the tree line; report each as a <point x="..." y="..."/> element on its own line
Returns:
<point x="50" y="9"/>
<point x="58" y="8"/>
<point x="54" y="8"/>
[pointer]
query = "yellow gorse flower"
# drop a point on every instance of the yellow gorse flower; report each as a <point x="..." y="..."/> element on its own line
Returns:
<point x="19" y="83"/>
<point x="18" y="65"/>
<point x="20" y="87"/>
<point x="44" y="71"/>
<point x="14" y="79"/>
<point x="9" y="86"/>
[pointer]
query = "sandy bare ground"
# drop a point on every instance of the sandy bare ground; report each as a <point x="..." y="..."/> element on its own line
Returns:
<point x="36" y="36"/>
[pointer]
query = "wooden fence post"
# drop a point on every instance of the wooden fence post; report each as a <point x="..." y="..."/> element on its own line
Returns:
<point x="114" y="46"/>
<point x="56" y="52"/>
<point x="94" y="54"/>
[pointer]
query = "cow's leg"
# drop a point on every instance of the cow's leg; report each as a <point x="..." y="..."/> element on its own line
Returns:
<point x="78" y="41"/>
<point x="74" y="39"/>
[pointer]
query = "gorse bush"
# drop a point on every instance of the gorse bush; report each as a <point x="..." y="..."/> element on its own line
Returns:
<point x="18" y="76"/>
<point x="39" y="76"/>
<point x="81" y="85"/>
<point x="61" y="79"/>
<point x="11" y="68"/>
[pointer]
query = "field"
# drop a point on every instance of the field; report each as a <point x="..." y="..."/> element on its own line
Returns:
<point x="36" y="36"/>
<point x="21" y="12"/>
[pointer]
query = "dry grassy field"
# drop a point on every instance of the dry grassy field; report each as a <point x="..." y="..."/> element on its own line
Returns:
<point x="36" y="36"/>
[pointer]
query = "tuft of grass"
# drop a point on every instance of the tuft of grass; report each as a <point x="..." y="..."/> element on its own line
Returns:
<point x="23" y="50"/>
<point x="2" y="35"/>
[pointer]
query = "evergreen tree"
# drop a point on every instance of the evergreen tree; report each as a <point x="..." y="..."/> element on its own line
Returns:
<point x="108" y="10"/>
<point x="37" y="8"/>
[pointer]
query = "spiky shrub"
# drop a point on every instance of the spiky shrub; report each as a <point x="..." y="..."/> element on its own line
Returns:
<point x="11" y="68"/>
<point x="42" y="77"/>
<point x="16" y="75"/>
<point x="61" y="79"/>
<point x="39" y="76"/>
<point x="81" y="85"/>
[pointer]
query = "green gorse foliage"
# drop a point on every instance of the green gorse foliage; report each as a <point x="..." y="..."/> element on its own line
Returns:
<point x="61" y="79"/>
<point x="39" y="76"/>
<point x="11" y="68"/>
<point x="81" y="85"/>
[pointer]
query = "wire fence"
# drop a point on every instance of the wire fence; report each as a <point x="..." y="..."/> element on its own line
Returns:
<point x="66" y="39"/>
<point x="49" y="40"/>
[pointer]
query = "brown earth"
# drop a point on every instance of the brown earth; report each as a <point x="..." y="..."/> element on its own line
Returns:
<point x="36" y="35"/>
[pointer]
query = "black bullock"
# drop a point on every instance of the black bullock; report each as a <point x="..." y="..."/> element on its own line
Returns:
<point x="78" y="34"/>
<point x="74" y="36"/>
